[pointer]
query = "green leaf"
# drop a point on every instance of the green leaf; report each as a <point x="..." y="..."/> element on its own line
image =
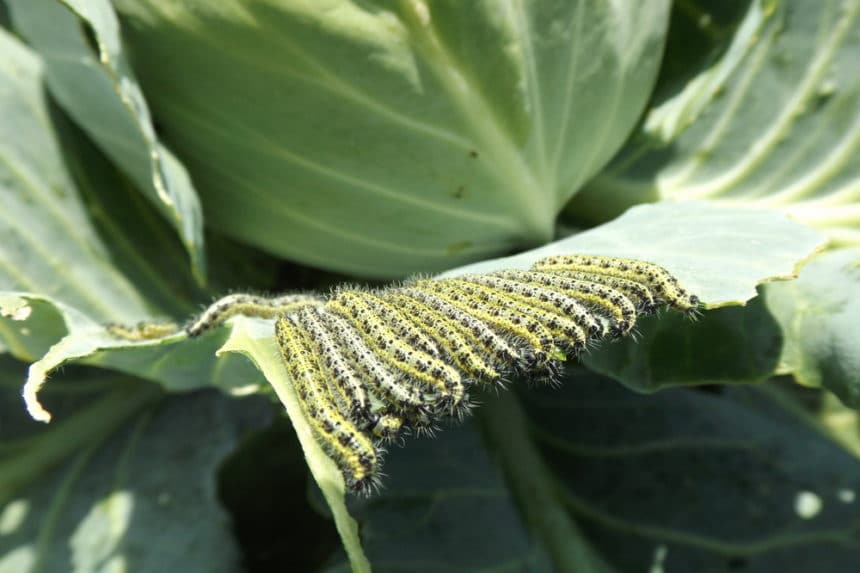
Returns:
<point x="753" y="246"/>
<point x="71" y="244"/>
<point x="381" y="138"/>
<point x="819" y="313"/>
<point x="125" y="478"/>
<point x="841" y="422"/>
<point x="48" y="243"/>
<point x="718" y="481"/>
<point x="175" y="362"/>
<point x="254" y="339"/>
<point x="446" y="506"/>
<point x="100" y="92"/>
<point x="29" y="327"/>
<point x="725" y="346"/>
<point x="774" y="124"/>
<point x="607" y="480"/>
<point x="720" y="253"/>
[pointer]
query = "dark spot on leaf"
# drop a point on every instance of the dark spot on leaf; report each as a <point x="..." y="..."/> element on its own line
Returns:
<point x="459" y="192"/>
<point x="473" y="154"/>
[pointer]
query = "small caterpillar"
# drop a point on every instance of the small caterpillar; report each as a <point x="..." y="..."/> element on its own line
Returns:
<point x="533" y="335"/>
<point x="381" y="380"/>
<point x="560" y="329"/>
<point x="371" y="366"/>
<point x="142" y="330"/>
<point x="491" y="342"/>
<point x="638" y="293"/>
<point x="404" y="329"/>
<point x="248" y="305"/>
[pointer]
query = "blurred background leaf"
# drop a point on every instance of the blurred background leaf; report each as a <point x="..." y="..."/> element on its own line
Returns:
<point x="123" y="480"/>
<point x="819" y="314"/>
<point x="447" y="506"/>
<point x="86" y="70"/>
<point x="49" y="245"/>
<point x="684" y="479"/>
<point x="773" y="124"/>
<point x="382" y="138"/>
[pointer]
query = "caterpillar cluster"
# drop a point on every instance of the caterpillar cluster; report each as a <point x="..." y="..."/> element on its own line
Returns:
<point x="371" y="366"/>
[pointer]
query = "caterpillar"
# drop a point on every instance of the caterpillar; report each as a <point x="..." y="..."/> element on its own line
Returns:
<point x="248" y="305"/>
<point x="372" y="366"/>
<point x="411" y="363"/>
<point x="657" y="279"/>
<point x="454" y="339"/>
<point x="351" y="449"/>
<point x="605" y="301"/>
<point x="142" y="330"/>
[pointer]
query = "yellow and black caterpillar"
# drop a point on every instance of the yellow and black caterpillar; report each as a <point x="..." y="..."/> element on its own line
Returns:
<point x="370" y="366"/>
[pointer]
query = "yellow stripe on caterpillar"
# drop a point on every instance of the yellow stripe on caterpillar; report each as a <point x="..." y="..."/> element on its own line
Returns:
<point x="402" y="326"/>
<point x="341" y="372"/>
<point x="563" y="331"/>
<point x="381" y="380"/>
<point x="638" y="293"/>
<point x="496" y="346"/>
<point x="387" y="427"/>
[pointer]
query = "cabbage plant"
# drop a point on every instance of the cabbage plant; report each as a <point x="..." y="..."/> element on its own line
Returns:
<point x="156" y="154"/>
